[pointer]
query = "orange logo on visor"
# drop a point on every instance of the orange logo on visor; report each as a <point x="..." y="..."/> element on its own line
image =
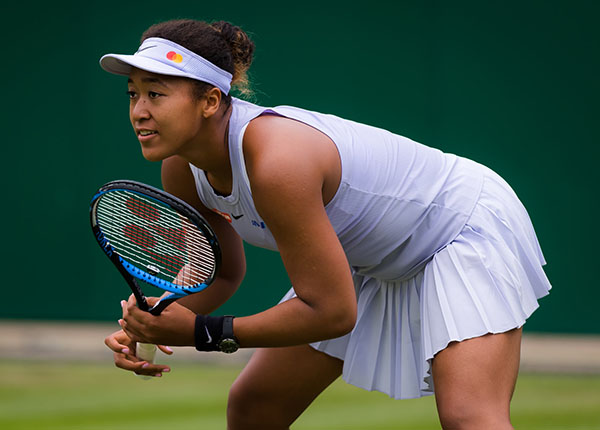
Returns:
<point x="174" y="56"/>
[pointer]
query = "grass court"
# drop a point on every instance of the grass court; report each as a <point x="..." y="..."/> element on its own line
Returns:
<point x="94" y="396"/>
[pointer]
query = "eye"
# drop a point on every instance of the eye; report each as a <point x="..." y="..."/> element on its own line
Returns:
<point x="131" y="94"/>
<point x="153" y="94"/>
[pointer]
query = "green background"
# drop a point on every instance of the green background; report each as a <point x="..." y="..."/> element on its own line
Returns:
<point x="513" y="85"/>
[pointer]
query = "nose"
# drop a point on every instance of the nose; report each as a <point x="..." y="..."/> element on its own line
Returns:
<point x="139" y="110"/>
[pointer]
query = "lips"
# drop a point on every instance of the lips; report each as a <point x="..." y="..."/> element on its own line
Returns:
<point x="144" y="135"/>
<point x="147" y="132"/>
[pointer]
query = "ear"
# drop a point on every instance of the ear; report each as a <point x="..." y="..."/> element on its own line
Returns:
<point x="212" y="102"/>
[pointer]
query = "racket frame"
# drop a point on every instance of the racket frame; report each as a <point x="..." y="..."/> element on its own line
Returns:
<point x="132" y="273"/>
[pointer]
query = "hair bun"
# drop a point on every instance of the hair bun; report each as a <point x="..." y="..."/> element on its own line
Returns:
<point x="242" y="51"/>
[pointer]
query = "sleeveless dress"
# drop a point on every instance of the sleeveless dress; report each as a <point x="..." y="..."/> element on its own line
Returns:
<point x="440" y="247"/>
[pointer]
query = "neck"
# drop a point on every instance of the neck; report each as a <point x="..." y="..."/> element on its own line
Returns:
<point x="211" y="153"/>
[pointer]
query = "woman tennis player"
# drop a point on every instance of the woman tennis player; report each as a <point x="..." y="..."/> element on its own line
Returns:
<point x="413" y="271"/>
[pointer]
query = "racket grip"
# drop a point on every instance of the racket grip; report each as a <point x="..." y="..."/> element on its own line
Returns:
<point x="146" y="352"/>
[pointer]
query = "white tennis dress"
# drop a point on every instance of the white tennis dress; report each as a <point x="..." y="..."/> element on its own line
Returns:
<point x="441" y="248"/>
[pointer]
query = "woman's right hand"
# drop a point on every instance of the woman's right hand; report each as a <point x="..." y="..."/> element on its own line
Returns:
<point x="124" y="355"/>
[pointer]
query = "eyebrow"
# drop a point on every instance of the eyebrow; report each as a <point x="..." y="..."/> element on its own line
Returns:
<point x="150" y="80"/>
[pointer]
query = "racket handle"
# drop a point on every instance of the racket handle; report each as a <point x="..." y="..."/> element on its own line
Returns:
<point x="146" y="352"/>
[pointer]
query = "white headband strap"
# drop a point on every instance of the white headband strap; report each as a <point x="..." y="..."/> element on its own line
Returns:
<point x="162" y="56"/>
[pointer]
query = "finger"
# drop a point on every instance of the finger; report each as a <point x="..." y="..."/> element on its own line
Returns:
<point x="165" y="349"/>
<point x="127" y="311"/>
<point x="132" y="315"/>
<point x="132" y="303"/>
<point x="139" y="367"/>
<point x="124" y="308"/>
<point x="130" y="331"/>
<point x="132" y="310"/>
<point x="119" y="342"/>
<point x="116" y="346"/>
<point x="155" y="370"/>
<point x="148" y="369"/>
<point x="152" y="300"/>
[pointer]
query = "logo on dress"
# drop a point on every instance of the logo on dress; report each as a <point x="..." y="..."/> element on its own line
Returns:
<point x="259" y="224"/>
<point x="223" y="214"/>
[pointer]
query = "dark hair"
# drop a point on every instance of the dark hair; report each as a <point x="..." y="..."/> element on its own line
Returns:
<point x="222" y="43"/>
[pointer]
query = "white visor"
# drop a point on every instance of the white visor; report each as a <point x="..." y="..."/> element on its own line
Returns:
<point x="164" y="57"/>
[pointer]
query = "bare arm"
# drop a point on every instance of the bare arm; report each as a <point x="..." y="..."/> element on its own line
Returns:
<point x="175" y="325"/>
<point x="289" y="166"/>
<point x="177" y="179"/>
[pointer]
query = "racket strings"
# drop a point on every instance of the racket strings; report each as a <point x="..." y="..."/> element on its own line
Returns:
<point x="174" y="236"/>
<point x="171" y="257"/>
<point x="175" y="239"/>
<point x="182" y="269"/>
<point x="185" y="269"/>
<point x="156" y="238"/>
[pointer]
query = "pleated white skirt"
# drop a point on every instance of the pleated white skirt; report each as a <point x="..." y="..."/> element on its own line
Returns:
<point x="487" y="280"/>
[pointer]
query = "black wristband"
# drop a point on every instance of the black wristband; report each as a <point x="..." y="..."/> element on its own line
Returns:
<point x="207" y="332"/>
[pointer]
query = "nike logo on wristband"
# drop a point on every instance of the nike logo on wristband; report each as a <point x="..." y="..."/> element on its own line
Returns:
<point x="237" y="216"/>
<point x="208" y="335"/>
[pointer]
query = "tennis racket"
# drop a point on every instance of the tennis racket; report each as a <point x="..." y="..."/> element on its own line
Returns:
<point x="154" y="239"/>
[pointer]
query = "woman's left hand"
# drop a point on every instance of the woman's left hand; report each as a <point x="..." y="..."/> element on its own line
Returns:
<point x="174" y="326"/>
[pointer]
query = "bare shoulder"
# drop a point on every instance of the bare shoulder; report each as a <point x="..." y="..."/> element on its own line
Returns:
<point x="283" y="155"/>
<point x="281" y="135"/>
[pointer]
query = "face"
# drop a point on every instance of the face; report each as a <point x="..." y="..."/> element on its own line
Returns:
<point x="165" y="116"/>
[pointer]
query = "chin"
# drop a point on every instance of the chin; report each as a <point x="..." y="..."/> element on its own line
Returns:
<point x="153" y="155"/>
